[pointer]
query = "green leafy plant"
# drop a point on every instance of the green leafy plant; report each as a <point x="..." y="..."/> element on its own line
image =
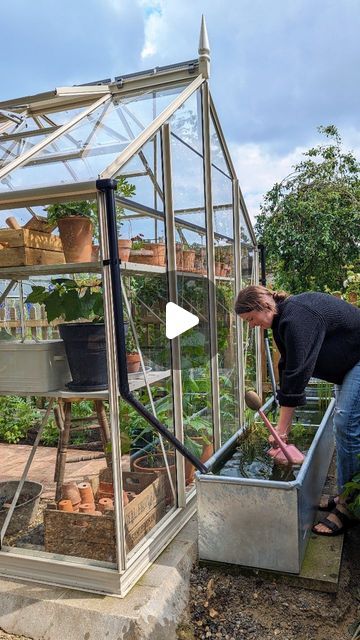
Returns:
<point x="17" y="416"/>
<point x="70" y="300"/>
<point x="88" y="208"/>
<point x="137" y="242"/>
<point x="352" y="493"/>
<point x="352" y="284"/>
<point x="130" y="342"/>
<point x="83" y="208"/>
<point x="310" y="223"/>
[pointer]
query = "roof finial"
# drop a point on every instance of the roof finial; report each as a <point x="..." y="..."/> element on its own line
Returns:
<point x="204" y="50"/>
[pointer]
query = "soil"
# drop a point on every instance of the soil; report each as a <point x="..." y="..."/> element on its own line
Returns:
<point x="239" y="607"/>
<point x="23" y="497"/>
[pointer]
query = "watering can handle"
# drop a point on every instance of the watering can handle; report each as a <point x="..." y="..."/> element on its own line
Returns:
<point x="275" y="435"/>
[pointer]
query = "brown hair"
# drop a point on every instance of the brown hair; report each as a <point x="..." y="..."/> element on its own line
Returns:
<point x="258" y="298"/>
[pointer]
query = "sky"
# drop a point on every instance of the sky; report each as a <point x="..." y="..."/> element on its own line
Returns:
<point x="278" y="69"/>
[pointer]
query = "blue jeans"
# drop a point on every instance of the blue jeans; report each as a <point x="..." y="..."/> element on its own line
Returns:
<point x="347" y="426"/>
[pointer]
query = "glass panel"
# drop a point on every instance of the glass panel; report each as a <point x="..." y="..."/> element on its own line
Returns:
<point x="90" y="146"/>
<point x="189" y="204"/>
<point x="58" y="499"/>
<point x="142" y="251"/>
<point x="248" y="277"/>
<point x="187" y="162"/>
<point x="17" y="138"/>
<point x="218" y="158"/>
<point x="225" y="295"/>
<point x="145" y="173"/>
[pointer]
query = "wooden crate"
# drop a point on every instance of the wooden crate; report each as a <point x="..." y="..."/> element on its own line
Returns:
<point x="89" y="536"/>
<point x="22" y="247"/>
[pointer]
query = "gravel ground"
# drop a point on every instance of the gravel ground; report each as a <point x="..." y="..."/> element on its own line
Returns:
<point x="236" y="607"/>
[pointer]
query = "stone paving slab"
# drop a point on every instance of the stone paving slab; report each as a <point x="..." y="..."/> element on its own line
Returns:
<point x="151" y="611"/>
<point x="14" y="456"/>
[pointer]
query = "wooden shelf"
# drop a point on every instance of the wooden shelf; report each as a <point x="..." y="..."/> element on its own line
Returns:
<point x="136" y="381"/>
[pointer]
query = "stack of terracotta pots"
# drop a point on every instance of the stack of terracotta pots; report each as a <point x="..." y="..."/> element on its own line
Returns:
<point x="77" y="498"/>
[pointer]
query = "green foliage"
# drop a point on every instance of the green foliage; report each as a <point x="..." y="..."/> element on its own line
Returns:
<point x="310" y="222"/>
<point x="88" y="208"/>
<point x="17" y="416"/>
<point x="50" y="434"/>
<point x="70" y="300"/>
<point x="352" y="492"/>
<point x="351" y="284"/>
<point x="83" y="208"/>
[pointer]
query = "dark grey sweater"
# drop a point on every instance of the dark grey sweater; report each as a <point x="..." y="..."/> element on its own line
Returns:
<point x="317" y="335"/>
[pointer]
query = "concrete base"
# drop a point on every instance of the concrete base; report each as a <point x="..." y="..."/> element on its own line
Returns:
<point x="151" y="611"/>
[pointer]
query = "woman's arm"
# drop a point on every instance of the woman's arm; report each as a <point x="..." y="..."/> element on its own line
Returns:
<point x="284" y="423"/>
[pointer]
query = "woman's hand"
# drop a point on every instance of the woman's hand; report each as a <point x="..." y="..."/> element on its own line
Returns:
<point x="283" y="436"/>
<point x="284" y="424"/>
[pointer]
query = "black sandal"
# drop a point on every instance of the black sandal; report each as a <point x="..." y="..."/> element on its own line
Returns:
<point x="331" y="504"/>
<point x="335" y="529"/>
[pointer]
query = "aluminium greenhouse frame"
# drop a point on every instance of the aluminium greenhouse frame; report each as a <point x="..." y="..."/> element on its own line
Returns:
<point x="194" y="76"/>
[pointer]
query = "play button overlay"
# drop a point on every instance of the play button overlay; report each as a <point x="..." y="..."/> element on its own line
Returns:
<point x="178" y="320"/>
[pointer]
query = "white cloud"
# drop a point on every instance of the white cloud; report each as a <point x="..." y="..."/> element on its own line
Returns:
<point x="154" y="24"/>
<point x="258" y="169"/>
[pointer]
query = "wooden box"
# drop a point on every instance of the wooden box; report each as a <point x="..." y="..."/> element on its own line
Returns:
<point x="22" y="247"/>
<point x="91" y="536"/>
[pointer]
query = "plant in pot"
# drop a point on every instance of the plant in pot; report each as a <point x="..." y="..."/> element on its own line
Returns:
<point x="76" y="221"/>
<point x="188" y="258"/>
<point x="78" y="304"/>
<point x="127" y="190"/>
<point x="132" y="354"/>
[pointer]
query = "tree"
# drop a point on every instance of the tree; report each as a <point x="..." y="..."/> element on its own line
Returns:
<point x="310" y="222"/>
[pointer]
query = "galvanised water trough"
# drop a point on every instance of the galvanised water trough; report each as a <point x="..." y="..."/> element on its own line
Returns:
<point x="260" y="523"/>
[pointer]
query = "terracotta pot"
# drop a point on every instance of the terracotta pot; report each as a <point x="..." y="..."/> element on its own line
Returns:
<point x="142" y="256"/>
<point x="207" y="448"/>
<point x="65" y="505"/>
<point x="133" y="362"/>
<point x="189" y="472"/>
<point x="87" y="507"/>
<point x="189" y="259"/>
<point x="218" y="269"/>
<point x="76" y="237"/>
<point x="200" y="260"/>
<point x="106" y="504"/>
<point x="124" y="247"/>
<point x="141" y="465"/>
<point x="86" y="493"/>
<point x="95" y="252"/>
<point x="158" y="250"/>
<point x="70" y="491"/>
<point x="106" y="487"/>
<point x="179" y="256"/>
<point x="154" y="463"/>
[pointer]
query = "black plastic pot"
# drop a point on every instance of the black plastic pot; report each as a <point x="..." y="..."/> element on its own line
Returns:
<point x="85" y="347"/>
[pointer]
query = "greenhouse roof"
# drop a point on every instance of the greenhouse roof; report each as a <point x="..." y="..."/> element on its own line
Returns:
<point x="61" y="141"/>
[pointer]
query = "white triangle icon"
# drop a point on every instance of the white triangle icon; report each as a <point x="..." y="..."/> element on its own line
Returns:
<point x="178" y="320"/>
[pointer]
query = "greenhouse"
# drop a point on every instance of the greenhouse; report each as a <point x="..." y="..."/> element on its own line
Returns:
<point x="116" y="198"/>
<point x="184" y="236"/>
